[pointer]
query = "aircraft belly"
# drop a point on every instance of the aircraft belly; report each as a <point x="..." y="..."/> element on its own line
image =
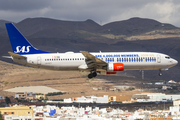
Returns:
<point x="142" y="66"/>
<point x="61" y="66"/>
<point x="145" y="66"/>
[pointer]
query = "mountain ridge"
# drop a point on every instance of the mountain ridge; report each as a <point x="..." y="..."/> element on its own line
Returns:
<point x="46" y="27"/>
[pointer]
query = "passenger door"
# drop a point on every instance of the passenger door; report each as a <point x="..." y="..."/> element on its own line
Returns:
<point x="39" y="60"/>
<point x="158" y="58"/>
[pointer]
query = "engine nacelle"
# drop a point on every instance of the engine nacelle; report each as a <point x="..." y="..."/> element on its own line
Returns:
<point x="115" y="67"/>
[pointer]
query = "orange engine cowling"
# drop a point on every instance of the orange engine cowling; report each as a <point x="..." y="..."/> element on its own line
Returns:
<point x="115" y="67"/>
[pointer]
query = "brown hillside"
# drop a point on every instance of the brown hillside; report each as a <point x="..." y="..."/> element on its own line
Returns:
<point x="75" y="84"/>
<point x="91" y="31"/>
<point x="45" y="27"/>
<point x="134" y="26"/>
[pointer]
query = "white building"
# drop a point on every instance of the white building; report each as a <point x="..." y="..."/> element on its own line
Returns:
<point x="153" y="97"/>
<point x="172" y="82"/>
<point x="159" y="83"/>
<point x="88" y="99"/>
<point x="15" y="117"/>
<point x="68" y="100"/>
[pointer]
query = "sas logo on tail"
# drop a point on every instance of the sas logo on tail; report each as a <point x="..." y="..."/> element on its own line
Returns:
<point x="23" y="49"/>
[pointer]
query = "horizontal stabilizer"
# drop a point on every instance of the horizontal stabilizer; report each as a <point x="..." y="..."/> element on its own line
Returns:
<point x="14" y="55"/>
<point x="6" y="56"/>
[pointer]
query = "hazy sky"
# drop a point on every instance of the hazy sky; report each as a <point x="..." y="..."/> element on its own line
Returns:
<point x="101" y="11"/>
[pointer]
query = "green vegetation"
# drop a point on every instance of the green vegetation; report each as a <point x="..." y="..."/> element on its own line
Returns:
<point x="6" y="83"/>
<point x="54" y="93"/>
<point x="39" y="93"/>
<point x="112" y="36"/>
<point x="1" y="116"/>
<point x="130" y="89"/>
<point x="21" y="100"/>
<point x="7" y="99"/>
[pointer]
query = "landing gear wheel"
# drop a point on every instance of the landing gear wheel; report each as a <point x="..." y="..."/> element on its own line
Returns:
<point x="94" y="74"/>
<point x="160" y="73"/>
<point x="90" y="76"/>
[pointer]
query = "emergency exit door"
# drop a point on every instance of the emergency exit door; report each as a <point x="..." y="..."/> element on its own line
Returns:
<point x="39" y="60"/>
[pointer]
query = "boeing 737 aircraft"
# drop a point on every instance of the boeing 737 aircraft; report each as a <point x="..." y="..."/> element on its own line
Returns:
<point x="101" y="62"/>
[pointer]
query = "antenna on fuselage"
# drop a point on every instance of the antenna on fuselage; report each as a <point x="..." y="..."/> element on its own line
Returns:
<point x="142" y="74"/>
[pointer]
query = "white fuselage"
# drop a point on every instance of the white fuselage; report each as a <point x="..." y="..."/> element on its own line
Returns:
<point x="72" y="61"/>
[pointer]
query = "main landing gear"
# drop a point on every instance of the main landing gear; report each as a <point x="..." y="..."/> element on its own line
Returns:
<point x="92" y="74"/>
<point x="160" y="72"/>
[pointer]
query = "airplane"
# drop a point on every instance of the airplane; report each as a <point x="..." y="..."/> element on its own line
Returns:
<point x="105" y="63"/>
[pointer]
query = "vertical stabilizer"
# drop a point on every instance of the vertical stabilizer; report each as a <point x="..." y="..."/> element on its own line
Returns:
<point x="20" y="45"/>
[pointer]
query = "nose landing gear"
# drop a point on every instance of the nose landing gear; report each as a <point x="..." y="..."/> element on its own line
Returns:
<point x="160" y="72"/>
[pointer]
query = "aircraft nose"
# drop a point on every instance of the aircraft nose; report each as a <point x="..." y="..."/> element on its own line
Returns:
<point x="175" y="62"/>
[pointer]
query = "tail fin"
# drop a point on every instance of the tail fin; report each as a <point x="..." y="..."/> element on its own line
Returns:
<point x="19" y="43"/>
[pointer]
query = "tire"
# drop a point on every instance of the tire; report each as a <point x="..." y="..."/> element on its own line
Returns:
<point x="160" y="74"/>
<point x="90" y="76"/>
<point x="94" y="74"/>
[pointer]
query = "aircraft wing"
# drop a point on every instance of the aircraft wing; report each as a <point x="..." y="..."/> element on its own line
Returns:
<point x="92" y="61"/>
<point x="14" y="55"/>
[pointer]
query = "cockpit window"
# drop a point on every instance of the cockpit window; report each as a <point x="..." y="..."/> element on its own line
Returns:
<point x="167" y="57"/>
